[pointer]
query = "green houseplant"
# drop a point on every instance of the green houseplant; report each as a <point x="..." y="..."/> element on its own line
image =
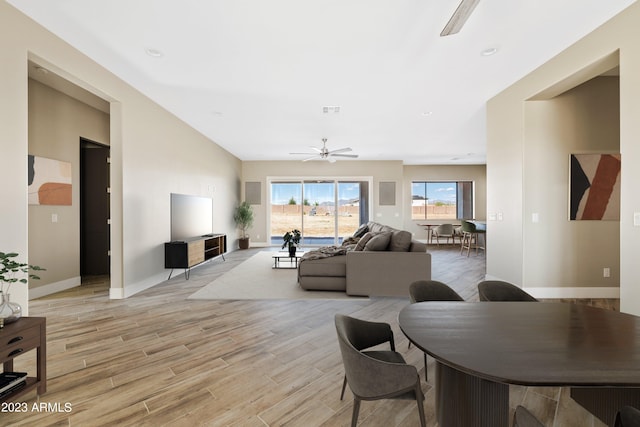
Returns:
<point x="12" y="271"/>
<point x="291" y="240"/>
<point x="243" y="216"/>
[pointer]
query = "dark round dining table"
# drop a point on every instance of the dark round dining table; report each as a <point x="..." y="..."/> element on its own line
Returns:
<point x="482" y="347"/>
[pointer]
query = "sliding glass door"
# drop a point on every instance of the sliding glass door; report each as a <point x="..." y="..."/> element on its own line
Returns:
<point x="319" y="219"/>
<point x="286" y="209"/>
<point x="325" y="211"/>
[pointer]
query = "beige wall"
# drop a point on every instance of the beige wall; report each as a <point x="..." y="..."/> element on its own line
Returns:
<point x="510" y="119"/>
<point x="56" y="123"/>
<point x="398" y="215"/>
<point x="559" y="252"/>
<point x="152" y="155"/>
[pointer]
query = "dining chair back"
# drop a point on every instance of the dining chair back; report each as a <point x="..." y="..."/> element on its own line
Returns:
<point x="374" y="375"/>
<point x="432" y="290"/>
<point x="498" y="290"/>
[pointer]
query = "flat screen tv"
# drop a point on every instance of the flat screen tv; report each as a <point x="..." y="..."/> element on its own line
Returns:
<point x="191" y="216"/>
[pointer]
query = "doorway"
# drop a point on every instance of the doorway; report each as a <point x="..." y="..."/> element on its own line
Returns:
<point x="94" y="209"/>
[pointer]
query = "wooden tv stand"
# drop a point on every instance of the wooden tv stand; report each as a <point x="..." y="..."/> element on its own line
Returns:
<point x="191" y="252"/>
<point x="17" y="338"/>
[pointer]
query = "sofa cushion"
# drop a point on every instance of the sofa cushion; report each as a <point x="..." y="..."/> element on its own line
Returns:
<point x="330" y="266"/>
<point x="400" y="241"/>
<point x="375" y="227"/>
<point x="379" y="242"/>
<point x="363" y="240"/>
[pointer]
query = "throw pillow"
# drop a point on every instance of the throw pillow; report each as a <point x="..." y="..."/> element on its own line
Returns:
<point x="361" y="231"/>
<point x="379" y="242"/>
<point x="400" y="241"/>
<point x="363" y="241"/>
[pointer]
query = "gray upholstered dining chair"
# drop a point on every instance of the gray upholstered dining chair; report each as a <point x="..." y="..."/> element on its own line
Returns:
<point x="627" y="416"/>
<point x="374" y="375"/>
<point x="523" y="418"/>
<point x="376" y="333"/>
<point x="443" y="230"/>
<point x="498" y="290"/>
<point x="431" y="290"/>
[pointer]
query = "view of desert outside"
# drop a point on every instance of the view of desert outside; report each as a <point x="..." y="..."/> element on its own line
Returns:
<point x="316" y="215"/>
<point x="319" y="221"/>
<point x="435" y="211"/>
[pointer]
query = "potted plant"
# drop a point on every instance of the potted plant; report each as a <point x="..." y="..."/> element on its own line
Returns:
<point x="243" y="216"/>
<point x="291" y="240"/>
<point x="12" y="271"/>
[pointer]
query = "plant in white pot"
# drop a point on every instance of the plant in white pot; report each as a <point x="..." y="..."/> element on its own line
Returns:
<point x="243" y="216"/>
<point x="12" y="271"/>
<point x="291" y="240"/>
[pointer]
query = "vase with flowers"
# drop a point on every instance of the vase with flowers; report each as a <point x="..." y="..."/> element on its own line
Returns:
<point x="12" y="271"/>
<point x="291" y="240"/>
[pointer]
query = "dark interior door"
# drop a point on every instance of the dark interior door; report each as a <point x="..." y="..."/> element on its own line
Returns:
<point x="94" y="209"/>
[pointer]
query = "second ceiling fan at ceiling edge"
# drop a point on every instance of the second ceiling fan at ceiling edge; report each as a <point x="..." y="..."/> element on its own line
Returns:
<point x="324" y="153"/>
<point x="459" y="17"/>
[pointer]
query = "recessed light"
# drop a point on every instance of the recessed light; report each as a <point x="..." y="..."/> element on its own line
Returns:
<point x="155" y="53"/>
<point x="489" y="51"/>
<point x="427" y="113"/>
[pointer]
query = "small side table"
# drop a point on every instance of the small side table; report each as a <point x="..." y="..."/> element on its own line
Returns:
<point x="25" y="334"/>
<point x="289" y="261"/>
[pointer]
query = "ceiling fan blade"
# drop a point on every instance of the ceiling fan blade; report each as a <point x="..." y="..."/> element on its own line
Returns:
<point x="311" y="158"/>
<point x="459" y="17"/>
<point x="319" y="150"/>
<point x="307" y="154"/>
<point x="340" y="150"/>
<point x="353" y="156"/>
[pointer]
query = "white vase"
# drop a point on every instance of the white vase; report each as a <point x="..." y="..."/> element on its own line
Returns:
<point x="9" y="311"/>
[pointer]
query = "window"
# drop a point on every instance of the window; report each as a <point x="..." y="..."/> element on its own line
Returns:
<point x="441" y="200"/>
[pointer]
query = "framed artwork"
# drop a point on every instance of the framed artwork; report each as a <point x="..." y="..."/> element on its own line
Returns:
<point x="594" y="187"/>
<point x="49" y="181"/>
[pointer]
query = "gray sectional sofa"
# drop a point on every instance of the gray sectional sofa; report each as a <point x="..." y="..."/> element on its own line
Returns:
<point x="378" y="261"/>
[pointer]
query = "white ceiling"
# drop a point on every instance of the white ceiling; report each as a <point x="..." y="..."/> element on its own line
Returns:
<point x="254" y="75"/>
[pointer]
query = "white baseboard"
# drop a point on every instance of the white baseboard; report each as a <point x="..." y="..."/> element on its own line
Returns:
<point x="134" y="288"/>
<point x="52" y="288"/>
<point x="577" y="292"/>
<point x="568" y="292"/>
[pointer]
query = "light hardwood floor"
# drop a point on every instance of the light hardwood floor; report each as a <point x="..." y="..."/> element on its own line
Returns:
<point x="158" y="359"/>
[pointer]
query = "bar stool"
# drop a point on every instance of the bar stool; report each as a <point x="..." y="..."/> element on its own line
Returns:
<point x="470" y="237"/>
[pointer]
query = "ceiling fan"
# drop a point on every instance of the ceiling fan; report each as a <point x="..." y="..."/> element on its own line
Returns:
<point x="325" y="154"/>
<point x="459" y="17"/>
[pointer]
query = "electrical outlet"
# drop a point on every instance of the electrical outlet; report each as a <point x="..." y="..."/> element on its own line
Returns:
<point x="606" y="272"/>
